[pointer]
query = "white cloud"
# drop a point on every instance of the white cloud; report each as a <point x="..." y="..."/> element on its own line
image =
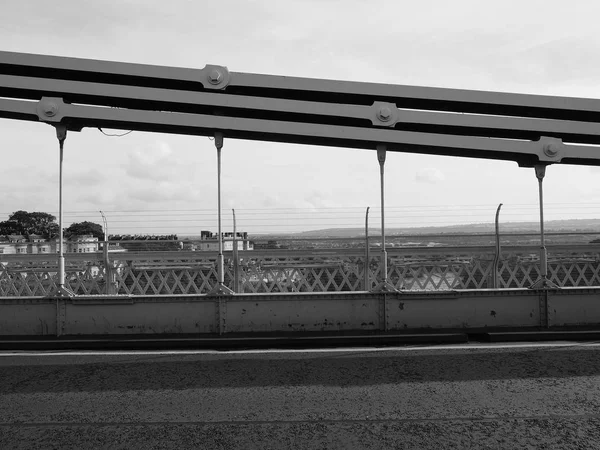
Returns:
<point x="156" y="162"/>
<point x="462" y="44"/>
<point x="429" y="175"/>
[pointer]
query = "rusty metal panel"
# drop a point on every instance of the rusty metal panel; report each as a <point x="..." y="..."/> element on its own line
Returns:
<point x="486" y="308"/>
<point x="299" y="312"/>
<point x="183" y="315"/>
<point x="27" y="317"/>
<point x="302" y="313"/>
<point x="573" y="306"/>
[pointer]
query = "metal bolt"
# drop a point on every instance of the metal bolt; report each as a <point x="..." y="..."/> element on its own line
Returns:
<point x="551" y="149"/>
<point x="50" y="109"/>
<point x="384" y="114"/>
<point x="215" y="77"/>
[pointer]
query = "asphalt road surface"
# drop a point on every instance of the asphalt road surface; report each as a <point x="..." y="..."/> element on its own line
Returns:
<point x="485" y="397"/>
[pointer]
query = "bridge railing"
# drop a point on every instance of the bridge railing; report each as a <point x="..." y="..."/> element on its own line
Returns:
<point x="314" y="270"/>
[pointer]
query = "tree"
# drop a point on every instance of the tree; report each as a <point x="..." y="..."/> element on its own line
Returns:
<point x="86" y="227"/>
<point x="8" y="227"/>
<point x="28" y="223"/>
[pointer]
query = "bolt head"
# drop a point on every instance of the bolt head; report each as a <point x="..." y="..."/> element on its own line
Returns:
<point x="50" y="109"/>
<point x="551" y="149"/>
<point x="385" y="114"/>
<point x="214" y="76"/>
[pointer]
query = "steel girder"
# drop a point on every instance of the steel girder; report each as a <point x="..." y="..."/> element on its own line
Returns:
<point x="79" y="93"/>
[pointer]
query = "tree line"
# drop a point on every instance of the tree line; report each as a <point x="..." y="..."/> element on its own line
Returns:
<point x="43" y="224"/>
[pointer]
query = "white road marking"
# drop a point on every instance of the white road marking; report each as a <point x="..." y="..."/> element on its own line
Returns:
<point x="317" y="350"/>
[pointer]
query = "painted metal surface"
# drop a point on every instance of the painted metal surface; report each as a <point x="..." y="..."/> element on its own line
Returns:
<point x="526" y="153"/>
<point x="563" y="312"/>
<point x="522" y="128"/>
<point x="28" y="317"/>
<point x="277" y="313"/>
<point x="303" y="313"/>
<point x="385" y="114"/>
<point x="500" y="103"/>
<point x="483" y="309"/>
<point x="165" y="315"/>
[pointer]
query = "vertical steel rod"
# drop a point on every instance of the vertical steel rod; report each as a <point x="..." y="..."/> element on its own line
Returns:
<point x="220" y="288"/>
<point x="540" y="171"/>
<point x="236" y="274"/>
<point x="220" y="268"/>
<point x="61" y="134"/>
<point x="543" y="282"/>
<point x="381" y="153"/>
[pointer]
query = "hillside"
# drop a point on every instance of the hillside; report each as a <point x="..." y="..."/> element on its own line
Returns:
<point x="591" y="225"/>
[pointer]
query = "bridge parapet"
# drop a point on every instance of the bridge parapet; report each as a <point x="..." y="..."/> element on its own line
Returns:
<point x="319" y="270"/>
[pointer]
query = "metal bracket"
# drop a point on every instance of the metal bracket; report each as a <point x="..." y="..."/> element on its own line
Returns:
<point x="385" y="286"/>
<point x="551" y="150"/>
<point x="384" y="114"/>
<point x="49" y="109"/>
<point x="215" y="77"/>
<point x="221" y="289"/>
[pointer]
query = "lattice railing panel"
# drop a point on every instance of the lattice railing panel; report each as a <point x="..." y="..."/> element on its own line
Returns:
<point x="40" y="278"/>
<point x="169" y="273"/>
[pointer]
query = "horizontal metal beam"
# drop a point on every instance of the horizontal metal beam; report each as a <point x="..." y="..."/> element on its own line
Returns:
<point x="276" y="313"/>
<point x="87" y="93"/>
<point x="333" y="91"/>
<point x="144" y="98"/>
<point x="526" y="153"/>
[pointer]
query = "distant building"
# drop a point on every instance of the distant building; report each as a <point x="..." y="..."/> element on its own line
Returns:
<point x="34" y="244"/>
<point x="81" y="244"/>
<point x="209" y="242"/>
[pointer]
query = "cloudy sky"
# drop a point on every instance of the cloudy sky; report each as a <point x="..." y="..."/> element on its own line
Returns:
<point x="153" y="183"/>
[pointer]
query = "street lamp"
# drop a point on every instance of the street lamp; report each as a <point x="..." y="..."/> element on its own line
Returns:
<point x="107" y="269"/>
<point x="105" y="228"/>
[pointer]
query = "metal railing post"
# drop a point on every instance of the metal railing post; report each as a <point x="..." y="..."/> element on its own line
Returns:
<point x="236" y="266"/>
<point x="367" y="253"/>
<point x="108" y="275"/>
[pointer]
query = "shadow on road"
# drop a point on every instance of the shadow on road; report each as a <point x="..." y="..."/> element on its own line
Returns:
<point x="301" y="369"/>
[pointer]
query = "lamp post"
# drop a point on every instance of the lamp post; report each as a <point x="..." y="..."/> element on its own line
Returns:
<point x="236" y="266"/>
<point x="107" y="268"/>
<point x="367" y="255"/>
<point x="105" y="228"/>
<point x="497" y="255"/>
